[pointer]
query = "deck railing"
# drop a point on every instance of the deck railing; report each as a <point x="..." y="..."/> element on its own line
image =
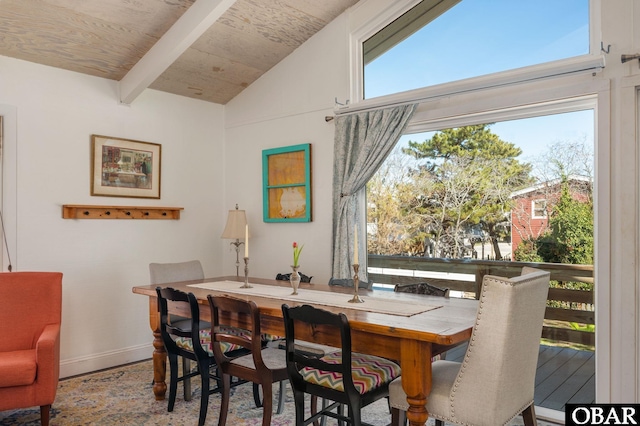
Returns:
<point x="564" y="307"/>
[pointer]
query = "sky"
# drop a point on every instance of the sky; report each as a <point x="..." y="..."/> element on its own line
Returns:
<point x="534" y="135"/>
<point x="477" y="37"/>
<point x="480" y="37"/>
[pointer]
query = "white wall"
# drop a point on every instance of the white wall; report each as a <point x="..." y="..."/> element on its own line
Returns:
<point x="51" y="115"/>
<point x="286" y="107"/>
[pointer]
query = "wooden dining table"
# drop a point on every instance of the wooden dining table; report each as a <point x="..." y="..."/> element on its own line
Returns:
<point x="403" y="327"/>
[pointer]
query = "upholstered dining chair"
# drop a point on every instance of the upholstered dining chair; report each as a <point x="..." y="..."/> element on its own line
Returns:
<point x="263" y="365"/>
<point x="30" y="346"/>
<point x="496" y="379"/>
<point x="345" y="377"/>
<point x="163" y="273"/>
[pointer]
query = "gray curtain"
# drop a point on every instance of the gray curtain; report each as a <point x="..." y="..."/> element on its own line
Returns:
<point x="362" y="142"/>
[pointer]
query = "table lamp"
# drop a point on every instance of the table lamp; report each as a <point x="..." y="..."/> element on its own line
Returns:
<point x="235" y="230"/>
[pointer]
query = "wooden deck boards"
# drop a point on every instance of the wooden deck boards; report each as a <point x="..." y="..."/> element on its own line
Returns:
<point x="564" y="376"/>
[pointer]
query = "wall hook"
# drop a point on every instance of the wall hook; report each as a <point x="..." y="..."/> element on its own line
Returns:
<point x="602" y="49"/>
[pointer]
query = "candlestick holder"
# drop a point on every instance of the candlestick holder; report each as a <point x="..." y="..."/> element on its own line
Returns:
<point x="356" y="283"/>
<point x="246" y="274"/>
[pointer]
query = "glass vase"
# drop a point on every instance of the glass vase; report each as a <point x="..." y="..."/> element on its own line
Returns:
<point x="295" y="279"/>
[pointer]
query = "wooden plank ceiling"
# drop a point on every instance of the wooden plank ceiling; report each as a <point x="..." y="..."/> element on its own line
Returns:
<point x="107" y="38"/>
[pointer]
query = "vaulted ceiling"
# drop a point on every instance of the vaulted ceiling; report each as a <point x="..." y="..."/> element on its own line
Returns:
<point x="203" y="49"/>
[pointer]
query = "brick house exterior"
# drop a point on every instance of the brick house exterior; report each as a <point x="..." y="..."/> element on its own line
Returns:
<point x="530" y="214"/>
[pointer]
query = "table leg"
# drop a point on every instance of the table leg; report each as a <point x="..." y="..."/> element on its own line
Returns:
<point x="159" y="352"/>
<point x="415" y="362"/>
<point x="159" y="367"/>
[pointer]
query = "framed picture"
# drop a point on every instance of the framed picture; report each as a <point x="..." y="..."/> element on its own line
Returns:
<point x="124" y="167"/>
<point x="286" y="178"/>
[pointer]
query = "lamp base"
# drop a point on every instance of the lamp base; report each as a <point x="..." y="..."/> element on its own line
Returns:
<point x="237" y="243"/>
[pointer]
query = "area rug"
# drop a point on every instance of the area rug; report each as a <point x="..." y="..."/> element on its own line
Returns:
<point x="123" y="396"/>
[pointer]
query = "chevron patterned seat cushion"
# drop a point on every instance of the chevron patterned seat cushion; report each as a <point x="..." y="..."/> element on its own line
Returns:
<point x="266" y="337"/>
<point x="205" y="341"/>
<point x="368" y="372"/>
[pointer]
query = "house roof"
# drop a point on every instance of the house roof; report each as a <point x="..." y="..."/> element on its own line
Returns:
<point x="549" y="184"/>
<point x="203" y="49"/>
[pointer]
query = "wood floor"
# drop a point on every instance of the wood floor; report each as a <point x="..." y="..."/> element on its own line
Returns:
<point x="564" y="376"/>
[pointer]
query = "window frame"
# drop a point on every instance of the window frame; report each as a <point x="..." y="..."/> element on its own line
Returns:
<point x="302" y="167"/>
<point x="372" y="22"/>
<point x="559" y="95"/>
<point x="534" y="209"/>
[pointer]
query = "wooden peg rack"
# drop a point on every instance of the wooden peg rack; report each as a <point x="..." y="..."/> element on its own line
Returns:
<point x="73" y="211"/>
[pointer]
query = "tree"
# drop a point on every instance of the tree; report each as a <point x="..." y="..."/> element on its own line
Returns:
<point x="565" y="158"/>
<point x="386" y="193"/>
<point x="473" y="172"/>
<point x="570" y="235"/>
<point x="468" y="141"/>
<point x="527" y="251"/>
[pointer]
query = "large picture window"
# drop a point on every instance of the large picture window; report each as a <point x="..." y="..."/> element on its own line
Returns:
<point x="449" y="203"/>
<point x="454" y="193"/>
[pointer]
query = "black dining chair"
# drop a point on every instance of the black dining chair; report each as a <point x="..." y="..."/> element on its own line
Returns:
<point x="287" y="276"/>
<point x="422" y="288"/>
<point x="348" y="282"/>
<point x="349" y="379"/>
<point x="186" y="343"/>
<point x="263" y="366"/>
<point x="193" y="342"/>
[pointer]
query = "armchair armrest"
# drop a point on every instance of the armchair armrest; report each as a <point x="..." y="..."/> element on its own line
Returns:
<point x="48" y="355"/>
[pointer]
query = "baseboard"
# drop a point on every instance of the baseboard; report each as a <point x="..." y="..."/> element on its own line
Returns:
<point x="87" y="364"/>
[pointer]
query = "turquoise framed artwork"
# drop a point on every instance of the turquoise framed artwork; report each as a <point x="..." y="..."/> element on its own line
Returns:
<point x="286" y="184"/>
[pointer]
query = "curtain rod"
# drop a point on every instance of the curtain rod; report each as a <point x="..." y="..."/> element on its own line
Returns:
<point x="579" y="65"/>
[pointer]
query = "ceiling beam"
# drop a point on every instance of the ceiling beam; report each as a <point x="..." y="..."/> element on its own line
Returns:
<point x="191" y="25"/>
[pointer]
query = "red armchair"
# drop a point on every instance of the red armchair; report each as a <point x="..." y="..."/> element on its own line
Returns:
<point x="30" y="314"/>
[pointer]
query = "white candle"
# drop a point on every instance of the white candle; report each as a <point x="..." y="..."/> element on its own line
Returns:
<point x="246" y="241"/>
<point x="355" y="246"/>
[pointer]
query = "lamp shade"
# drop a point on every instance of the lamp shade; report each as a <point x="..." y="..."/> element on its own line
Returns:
<point x="236" y="223"/>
